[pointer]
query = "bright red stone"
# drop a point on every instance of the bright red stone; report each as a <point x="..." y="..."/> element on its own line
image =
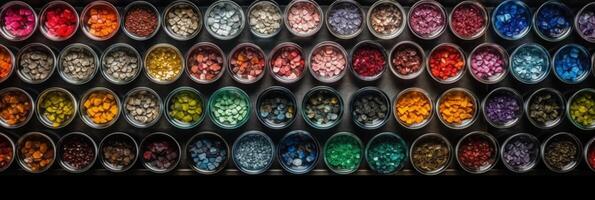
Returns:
<point x="446" y="62"/>
<point x="60" y="21"/>
<point x="368" y="61"/>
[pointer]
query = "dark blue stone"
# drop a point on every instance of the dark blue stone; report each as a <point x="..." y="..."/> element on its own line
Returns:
<point x="553" y="20"/>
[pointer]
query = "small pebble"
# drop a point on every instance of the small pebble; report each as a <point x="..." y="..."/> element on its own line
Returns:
<point x="78" y="64"/>
<point x="345" y="18"/>
<point x="370" y="109"/>
<point x="298" y="151"/>
<point x="386" y="19"/>
<point x="512" y="19"/>
<point x="121" y="65"/>
<point x="143" y="107"/>
<point x="487" y="63"/>
<point x="77" y="152"/>
<point x="247" y="63"/>
<point x="225" y="19"/>
<point x="208" y="154"/>
<point x="328" y="62"/>
<point x="183" y="21"/>
<point x="571" y="63"/>
<point x="19" y="21"/>
<point x="303" y="18"/>
<point x="427" y="20"/>
<point x="323" y="108"/>
<point x="265" y="18"/>
<point x="164" y="64"/>
<point x="529" y="63"/>
<point x="253" y="152"/>
<point x="205" y="63"/>
<point x="36" y="64"/>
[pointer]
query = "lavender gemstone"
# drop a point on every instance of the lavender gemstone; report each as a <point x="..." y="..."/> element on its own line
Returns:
<point x="586" y="24"/>
<point x="519" y="152"/>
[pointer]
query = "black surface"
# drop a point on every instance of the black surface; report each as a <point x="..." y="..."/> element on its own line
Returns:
<point x="346" y="86"/>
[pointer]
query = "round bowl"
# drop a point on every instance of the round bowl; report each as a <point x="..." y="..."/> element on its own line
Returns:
<point x="276" y="92"/>
<point x="85" y="18"/>
<point x="3" y="123"/>
<point x="127" y="114"/>
<point x="126" y="48"/>
<point x="81" y="48"/>
<point x="82" y="110"/>
<point x="67" y="167"/>
<point x="329" y="92"/>
<point x="43" y="19"/>
<point x="558" y="97"/>
<point x="118" y="137"/>
<point x="168" y="107"/>
<point x="494" y="159"/>
<point x="226" y="91"/>
<point x="141" y="4"/>
<point x="173" y="5"/>
<point x="43" y="119"/>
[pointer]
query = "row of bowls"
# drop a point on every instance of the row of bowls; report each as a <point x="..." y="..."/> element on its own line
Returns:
<point x="396" y="33"/>
<point x="388" y="57"/>
<point x="390" y="136"/>
<point x="277" y="91"/>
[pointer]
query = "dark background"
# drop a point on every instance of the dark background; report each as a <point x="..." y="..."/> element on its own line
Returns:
<point x="346" y="86"/>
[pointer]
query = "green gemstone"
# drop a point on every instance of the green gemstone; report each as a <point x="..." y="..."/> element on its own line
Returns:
<point x="343" y="153"/>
